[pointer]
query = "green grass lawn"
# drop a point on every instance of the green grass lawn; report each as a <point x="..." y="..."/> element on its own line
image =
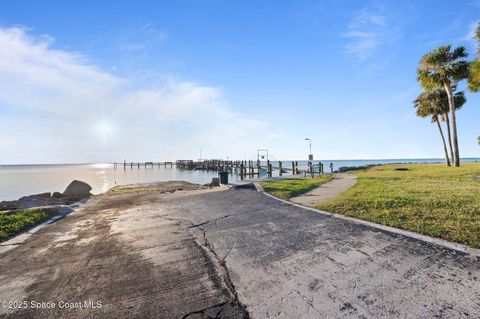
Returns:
<point x="288" y="188"/>
<point x="13" y="223"/>
<point x="430" y="199"/>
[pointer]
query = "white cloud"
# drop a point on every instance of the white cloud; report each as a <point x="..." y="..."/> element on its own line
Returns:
<point x="366" y="32"/>
<point x="470" y="36"/>
<point x="57" y="107"/>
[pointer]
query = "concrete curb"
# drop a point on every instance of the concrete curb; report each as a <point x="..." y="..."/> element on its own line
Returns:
<point x="259" y="187"/>
<point x="431" y="240"/>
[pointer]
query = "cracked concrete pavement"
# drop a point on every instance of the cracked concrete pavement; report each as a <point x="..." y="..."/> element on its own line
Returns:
<point x="218" y="254"/>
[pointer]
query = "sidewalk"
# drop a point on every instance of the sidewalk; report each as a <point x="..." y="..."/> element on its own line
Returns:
<point x="329" y="190"/>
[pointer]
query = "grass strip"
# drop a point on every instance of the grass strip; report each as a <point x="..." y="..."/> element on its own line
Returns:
<point x="430" y="199"/>
<point x="291" y="187"/>
<point x="14" y="222"/>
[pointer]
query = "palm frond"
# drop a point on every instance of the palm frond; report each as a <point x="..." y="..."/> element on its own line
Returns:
<point x="458" y="53"/>
<point x="477" y="38"/>
<point x="474" y="76"/>
<point x="442" y="65"/>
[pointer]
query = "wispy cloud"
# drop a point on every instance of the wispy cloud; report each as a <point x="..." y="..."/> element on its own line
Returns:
<point x="159" y="34"/>
<point x="470" y="36"/>
<point x="55" y="106"/>
<point x="367" y="30"/>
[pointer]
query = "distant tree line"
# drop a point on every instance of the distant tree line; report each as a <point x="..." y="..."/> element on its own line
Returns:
<point x="439" y="73"/>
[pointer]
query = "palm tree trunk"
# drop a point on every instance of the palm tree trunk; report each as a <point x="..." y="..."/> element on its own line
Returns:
<point x="447" y="121"/>
<point x="443" y="140"/>
<point x="451" y="103"/>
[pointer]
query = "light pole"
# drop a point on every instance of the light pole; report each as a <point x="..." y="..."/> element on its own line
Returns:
<point x="262" y="156"/>
<point x="310" y="157"/>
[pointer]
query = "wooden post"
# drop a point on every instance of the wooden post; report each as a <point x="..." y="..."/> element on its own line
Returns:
<point x="296" y="167"/>
<point x="280" y="167"/>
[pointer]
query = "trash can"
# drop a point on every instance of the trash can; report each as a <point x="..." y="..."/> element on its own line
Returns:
<point x="223" y="177"/>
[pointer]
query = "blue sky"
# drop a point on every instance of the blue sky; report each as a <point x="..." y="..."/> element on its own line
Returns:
<point x="98" y="81"/>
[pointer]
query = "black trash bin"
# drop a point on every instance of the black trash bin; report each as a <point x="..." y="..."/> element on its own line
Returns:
<point x="223" y="177"/>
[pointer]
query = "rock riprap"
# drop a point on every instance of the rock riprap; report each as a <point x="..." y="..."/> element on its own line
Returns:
<point x="77" y="190"/>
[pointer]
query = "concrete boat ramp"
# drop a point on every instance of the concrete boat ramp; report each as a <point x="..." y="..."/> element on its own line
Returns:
<point x="237" y="253"/>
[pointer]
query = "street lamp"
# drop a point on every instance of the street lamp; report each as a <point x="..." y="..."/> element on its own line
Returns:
<point x="310" y="155"/>
<point x="262" y="156"/>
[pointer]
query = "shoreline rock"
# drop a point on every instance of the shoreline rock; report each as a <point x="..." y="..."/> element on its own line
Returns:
<point x="75" y="191"/>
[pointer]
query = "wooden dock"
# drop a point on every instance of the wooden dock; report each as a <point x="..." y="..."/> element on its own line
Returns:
<point x="245" y="169"/>
<point x="132" y="165"/>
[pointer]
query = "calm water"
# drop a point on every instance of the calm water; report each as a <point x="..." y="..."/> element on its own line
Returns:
<point x="20" y="180"/>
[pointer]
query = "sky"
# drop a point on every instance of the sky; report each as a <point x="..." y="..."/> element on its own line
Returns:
<point x="105" y="81"/>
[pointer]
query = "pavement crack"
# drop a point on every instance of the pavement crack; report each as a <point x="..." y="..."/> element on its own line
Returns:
<point x="355" y="274"/>
<point x="215" y="220"/>
<point x="224" y="274"/>
<point x="227" y="279"/>
<point x="202" y="311"/>
<point x="201" y="224"/>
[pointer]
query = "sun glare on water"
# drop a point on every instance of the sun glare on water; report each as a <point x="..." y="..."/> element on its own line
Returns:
<point x="101" y="166"/>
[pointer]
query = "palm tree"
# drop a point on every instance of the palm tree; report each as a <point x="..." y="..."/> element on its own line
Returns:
<point x="474" y="76"/>
<point x="434" y="104"/>
<point x="425" y="108"/>
<point x="459" y="99"/>
<point x="443" y="67"/>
